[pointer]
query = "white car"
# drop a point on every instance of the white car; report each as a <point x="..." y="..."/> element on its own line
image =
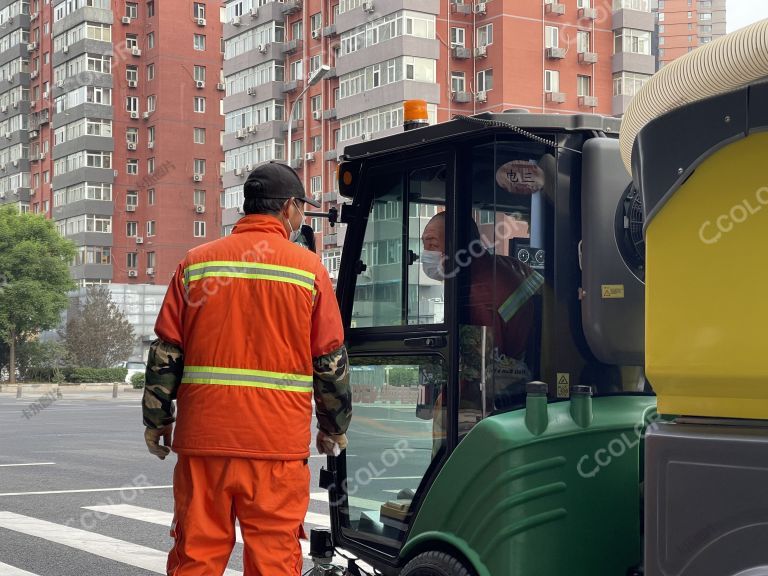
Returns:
<point x="133" y="368"/>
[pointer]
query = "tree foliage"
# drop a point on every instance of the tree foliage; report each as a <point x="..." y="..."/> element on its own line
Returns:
<point x="34" y="278"/>
<point x="98" y="334"/>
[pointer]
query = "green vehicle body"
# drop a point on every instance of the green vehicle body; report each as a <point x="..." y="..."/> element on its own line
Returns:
<point x="566" y="501"/>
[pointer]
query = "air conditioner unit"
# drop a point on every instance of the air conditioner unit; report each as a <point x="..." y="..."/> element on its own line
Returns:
<point x="130" y="208"/>
<point x="315" y="34"/>
<point x="197" y="177"/>
<point x="125" y="20"/>
<point x="34" y="134"/>
<point x="60" y="84"/>
<point x="481" y="51"/>
<point x="136" y="51"/>
<point x="45" y="95"/>
<point x="2" y="195"/>
<point x="33" y="74"/>
<point x="309" y="156"/>
<point x="42" y="156"/>
<point x="133" y="83"/>
<point x="238" y="171"/>
<point x="8" y="135"/>
<point x="131" y="145"/>
<point x="252" y="91"/>
<point x="139" y="240"/>
<point x="2" y="167"/>
<point x="588" y="101"/>
<point x="4" y="109"/>
<point x="481" y="96"/>
<point x="235" y="21"/>
<point x="15" y="104"/>
<point x="150" y="271"/>
<point x="317" y="115"/>
<point x="480" y="8"/>
<point x="33" y="103"/>
<point x="588" y="57"/>
<point x="132" y="273"/>
<point x="151" y="144"/>
<point x="221" y="86"/>
<point x="201" y="21"/>
<point x="65" y="49"/>
<point x="15" y="163"/>
<point x="557" y="97"/>
<point x="252" y="129"/>
<point x="146" y="115"/>
<point x="32" y="191"/>
<point x="199" y="84"/>
<point x="368" y="7"/>
<point x="240" y="134"/>
<point x="34" y="16"/>
<point x="588" y="13"/>
<point x="254" y="12"/>
<point x="262" y="48"/>
<point x="556" y="53"/>
<point x="32" y="46"/>
<point x="555" y="8"/>
<point x="199" y="209"/>
<point x="134" y="115"/>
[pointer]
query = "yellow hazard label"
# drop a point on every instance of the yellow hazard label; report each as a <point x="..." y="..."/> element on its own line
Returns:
<point x="563" y="385"/>
<point x="612" y="291"/>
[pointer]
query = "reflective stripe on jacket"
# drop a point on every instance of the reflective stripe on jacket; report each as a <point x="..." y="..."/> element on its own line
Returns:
<point x="250" y="311"/>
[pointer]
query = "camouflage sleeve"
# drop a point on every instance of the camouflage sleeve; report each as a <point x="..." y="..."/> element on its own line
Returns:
<point x="164" y="369"/>
<point x="333" y="395"/>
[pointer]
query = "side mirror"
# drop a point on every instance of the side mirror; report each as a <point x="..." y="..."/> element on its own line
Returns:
<point x="307" y="238"/>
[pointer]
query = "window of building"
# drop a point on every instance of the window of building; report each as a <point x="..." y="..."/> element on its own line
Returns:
<point x="662" y="40"/>
<point x="583" y="4"/>
<point x="631" y="40"/>
<point x="151" y="137"/>
<point x="199" y="104"/>
<point x="661" y="16"/>
<point x="131" y="259"/>
<point x="198" y="42"/>
<point x="150" y="71"/>
<point x="297" y="70"/>
<point x="332" y="260"/>
<point x="151" y="227"/>
<point x="132" y="167"/>
<point x="199" y="72"/>
<point x="132" y="198"/>
<point x="297" y="149"/>
<point x="131" y="229"/>
<point x="297" y="30"/>
<point x="198" y="10"/>
<point x="132" y="135"/>
<point x="151" y="103"/>
<point x="298" y="110"/>
<point x="131" y="9"/>
<point x="316" y="103"/>
<point x="628" y="83"/>
<point x="705" y="16"/>
<point x="316" y="184"/>
<point x="485" y="80"/>
<point x="583" y="86"/>
<point x="551" y="36"/>
<point x="151" y="40"/>
<point x="315" y="22"/>
<point x="661" y="28"/>
<point x="458" y="36"/>
<point x="199" y="229"/>
<point x="131" y="41"/>
<point x="485" y="35"/>
<point x="199" y="135"/>
<point x="131" y="104"/>
<point x="458" y="82"/>
<point x="132" y="73"/>
<point x="151" y="260"/>
<point x="150" y="8"/>
<point x="583" y="41"/>
<point x="199" y="166"/>
<point x="150" y="165"/>
<point x="317" y="143"/>
<point x="551" y="81"/>
<point x="151" y="197"/>
<point x="199" y="198"/>
<point x="314" y="63"/>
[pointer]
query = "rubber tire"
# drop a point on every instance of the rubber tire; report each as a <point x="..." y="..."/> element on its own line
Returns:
<point x="435" y="563"/>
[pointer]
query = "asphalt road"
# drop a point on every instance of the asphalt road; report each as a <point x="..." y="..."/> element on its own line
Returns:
<point x="80" y="495"/>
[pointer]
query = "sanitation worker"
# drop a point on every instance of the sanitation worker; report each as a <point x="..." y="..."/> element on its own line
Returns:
<point x="249" y="329"/>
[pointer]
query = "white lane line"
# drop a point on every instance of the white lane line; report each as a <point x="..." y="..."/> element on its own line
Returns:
<point x="322" y="520"/>
<point x="353" y="500"/>
<point x="397" y="478"/>
<point x="28" y="464"/>
<point x="91" y="542"/>
<point x="134" y="488"/>
<point x="8" y="570"/>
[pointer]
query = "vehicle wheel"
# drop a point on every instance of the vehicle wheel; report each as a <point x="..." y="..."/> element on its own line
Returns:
<point x="435" y="564"/>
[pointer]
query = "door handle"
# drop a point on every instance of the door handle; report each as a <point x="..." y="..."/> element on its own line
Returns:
<point x="437" y="341"/>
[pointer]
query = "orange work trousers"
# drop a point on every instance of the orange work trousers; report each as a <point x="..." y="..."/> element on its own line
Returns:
<point x="268" y="497"/>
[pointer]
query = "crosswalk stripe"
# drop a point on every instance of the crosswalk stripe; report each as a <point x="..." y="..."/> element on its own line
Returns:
<point x="91" y="542"/>
<point x="8" y="570"/>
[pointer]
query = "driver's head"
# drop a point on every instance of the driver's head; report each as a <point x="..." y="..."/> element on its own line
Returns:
<point x="433" y="237"/>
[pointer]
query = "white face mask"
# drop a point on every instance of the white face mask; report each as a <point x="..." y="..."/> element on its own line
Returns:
<point x="432" y="264"/>
<point x="294" y="234"/>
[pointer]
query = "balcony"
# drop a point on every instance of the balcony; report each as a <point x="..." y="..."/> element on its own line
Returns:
<point x="329" y="31"/>
<point x="461" y="52"/>
<point x="291" y="6"/>
<point x="588" y="57"/>
<point x="556" y="97"/>
<point x="329" y="114"/>
<point x="291" y="86"/>
<point x="556" y="53"/>
<point x="461" y="97"/>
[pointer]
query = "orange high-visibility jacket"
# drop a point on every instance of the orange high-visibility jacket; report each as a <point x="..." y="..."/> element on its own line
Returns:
<point x="249" y="311"/>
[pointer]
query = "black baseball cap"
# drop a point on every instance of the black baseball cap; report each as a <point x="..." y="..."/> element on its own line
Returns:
<point x="276" y="180"/>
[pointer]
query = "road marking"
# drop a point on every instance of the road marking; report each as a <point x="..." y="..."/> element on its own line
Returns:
<point x="317" y="519"/>
<point x="398" y="478"/>
<point x="91" y="542"/>
<point x="28" y="464"/>
<point x="8" y="570"/>
<point x="353" y="500"/>
<point x="427" y="423"/>
<point x="135" y="488"/>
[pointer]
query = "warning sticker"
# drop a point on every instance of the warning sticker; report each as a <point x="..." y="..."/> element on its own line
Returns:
<point x="563" y="385"/>
<point x="610" y="291"/>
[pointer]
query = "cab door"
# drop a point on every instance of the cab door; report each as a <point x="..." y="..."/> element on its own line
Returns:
<point x="400" y="347"/>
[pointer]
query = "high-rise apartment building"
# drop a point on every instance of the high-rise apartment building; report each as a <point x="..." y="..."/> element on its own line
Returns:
<point x="111" y="118"/>
<point x="556" y="56"/>
<point x="687" y="24"/>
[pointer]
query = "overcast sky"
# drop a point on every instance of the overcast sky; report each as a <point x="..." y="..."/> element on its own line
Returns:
<point x="742" y="12"/>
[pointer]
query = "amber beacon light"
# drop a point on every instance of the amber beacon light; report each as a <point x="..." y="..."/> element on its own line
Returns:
<point x="415" y="114"/>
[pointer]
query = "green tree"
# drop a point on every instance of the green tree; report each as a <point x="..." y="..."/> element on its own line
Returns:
<point x="34" y="278"/>
<point x="98" y="334"/>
